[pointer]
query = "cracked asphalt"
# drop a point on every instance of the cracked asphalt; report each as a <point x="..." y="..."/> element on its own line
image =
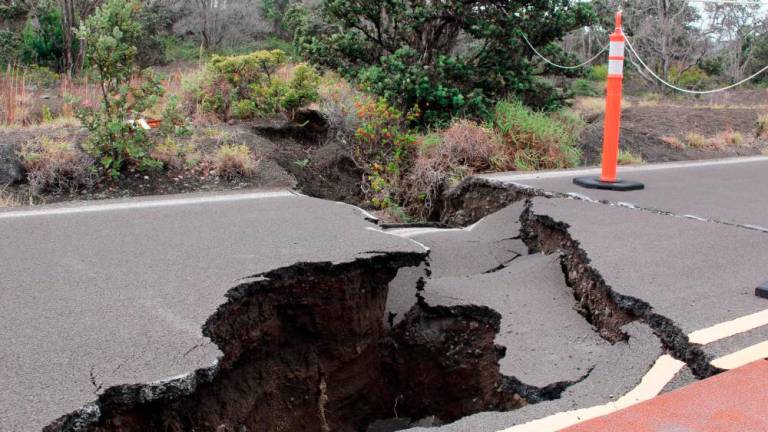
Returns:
<point x="117" y="292"/>
<point x="114" y="293"/>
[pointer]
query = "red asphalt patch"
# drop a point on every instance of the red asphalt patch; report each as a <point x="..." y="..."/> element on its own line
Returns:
<point x="733" y="401"/>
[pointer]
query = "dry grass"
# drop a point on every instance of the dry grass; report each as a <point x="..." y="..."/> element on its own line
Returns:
<point x="15" y="100"/>
<point x="56" y="166"/>
<point x="589" y="106"/>
<point x="697" y="140"/>
<point x="234" y="161"/>
<point x="762" y="126"/>
<point x="673" y="142"/>
<point x="175" y="155"/>
<point x="445" y="158"/>
<point x="726" y="139"/>
<point x="7" y="199"/>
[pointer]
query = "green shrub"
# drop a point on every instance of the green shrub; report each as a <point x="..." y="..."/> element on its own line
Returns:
<point x="535" y="140"/>
<point x="692" y="78"/>
<point x="10" y="43"/>
<point x="111" y="35"/>
<point x="256" y="84"/>
<point x="598" y="73"/>
<point x="582" y="87"/>
<point x="175" y="122"/>
<point x="384" y="146"/>
<point x="41" y="76"/>
<point x="42" y="43"/>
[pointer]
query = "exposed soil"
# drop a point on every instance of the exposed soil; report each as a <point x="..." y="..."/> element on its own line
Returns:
<point x="643" y="127"/>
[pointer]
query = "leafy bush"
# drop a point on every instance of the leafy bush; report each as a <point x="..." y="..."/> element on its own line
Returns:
<point x="598" y="73"/>
<point x="56" y="166"/>
<point x="234" y="161"/>
<point x="692" y="78"/>
<point x="535" y="140"/>
<point x="255" y="84"/>
<point x="582" y="87"/>
<point x="383" y="146"/>
<point x="111" y="35"/>
<point x="175" y="122"/>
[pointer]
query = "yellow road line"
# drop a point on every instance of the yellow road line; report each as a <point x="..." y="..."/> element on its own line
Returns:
<point x="729" y="328"/>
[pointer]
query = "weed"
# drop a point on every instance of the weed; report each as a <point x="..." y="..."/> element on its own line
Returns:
<point x="626" y="157"/>
<point x="302" y="163"/>
<point x="234" y="161"/>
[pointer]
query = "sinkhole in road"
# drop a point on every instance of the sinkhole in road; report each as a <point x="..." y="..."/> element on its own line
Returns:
<point x="306" y="347"/>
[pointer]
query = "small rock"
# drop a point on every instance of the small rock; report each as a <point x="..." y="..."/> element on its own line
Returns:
<point x="11" y="169"/>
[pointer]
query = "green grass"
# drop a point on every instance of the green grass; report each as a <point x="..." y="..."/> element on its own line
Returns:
<point x="538" y="140"/>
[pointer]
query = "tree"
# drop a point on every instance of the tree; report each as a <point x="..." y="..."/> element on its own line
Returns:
<point x="74" y="12"/>
<point x="274" y="12"/>
<point x="449" y="57"/>
<point x="664" y="32"/>
<point x="111" y="34"/>
<point x="219" y="23"/>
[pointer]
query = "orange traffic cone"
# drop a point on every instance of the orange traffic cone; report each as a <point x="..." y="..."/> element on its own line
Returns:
<point x="608" y="179"/>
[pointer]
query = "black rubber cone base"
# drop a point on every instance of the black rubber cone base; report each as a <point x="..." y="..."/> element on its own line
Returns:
<point x="618" y="185"/>
<point x="762" y="291"/>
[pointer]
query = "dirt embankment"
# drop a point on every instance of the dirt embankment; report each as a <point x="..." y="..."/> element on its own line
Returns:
<point x="658" y="133"/>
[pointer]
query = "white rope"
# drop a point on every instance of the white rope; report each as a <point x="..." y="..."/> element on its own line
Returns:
<point x="672" y="86"/>
<point x="561" y="66"/>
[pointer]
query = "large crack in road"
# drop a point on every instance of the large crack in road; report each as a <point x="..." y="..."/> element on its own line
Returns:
<point x="305" y="348"/>
<point x="509" y="314"/>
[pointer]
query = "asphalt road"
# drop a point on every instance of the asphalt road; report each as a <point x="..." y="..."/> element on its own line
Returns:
<point x="731" y="190"/>
<point x="94" y="295"/>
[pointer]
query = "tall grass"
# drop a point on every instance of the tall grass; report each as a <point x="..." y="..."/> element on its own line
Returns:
<point x="14" y="100"/>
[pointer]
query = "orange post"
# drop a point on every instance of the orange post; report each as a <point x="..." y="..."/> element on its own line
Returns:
<point x="610" y="160"/>
<point x="613" y="104"/>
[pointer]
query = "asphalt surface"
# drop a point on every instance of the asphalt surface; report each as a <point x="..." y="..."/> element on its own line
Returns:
<point x="696" y="273"/>
<point x="732" y="191"/>
<point x="546" y="340"/>
<point x="115" y="293"/>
